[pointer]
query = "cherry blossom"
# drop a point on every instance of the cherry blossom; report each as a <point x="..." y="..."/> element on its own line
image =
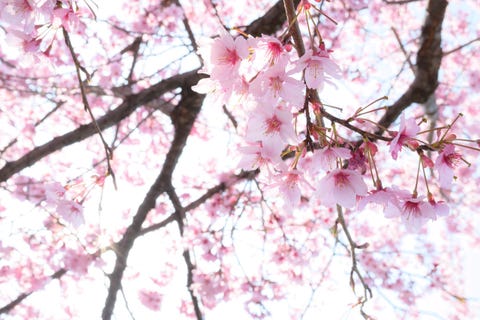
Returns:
<point x="257" y="154"/>
<point x="446" y="161"/>
<point x="404" y="137"/>
<point x="268" y="50"/>
<point x="277" y="83"/>
<point x="327" y="157"/>
<point x="319" y="68"/>
<point x="267" y="122"/>
<point x="151" y="299"/>
<point x="387" y="198"/>
<point x="23" y="14"/>
<point x="414" y="212"/>
<point x="225" y="55"/>
<point x="290" y="184"/>
<point x="205" y="147"/>
<point x="71" y="212"/>
<point x="341" y="186"/>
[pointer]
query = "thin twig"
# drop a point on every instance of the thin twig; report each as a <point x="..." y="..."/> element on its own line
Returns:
<point x="8" y="307"/>
<point x="78" y="67"/>
<point x="180" y="218"/>
<point x="446" y="53"/>
<point x="407" y="55"/>
<point x="367" y="292"/>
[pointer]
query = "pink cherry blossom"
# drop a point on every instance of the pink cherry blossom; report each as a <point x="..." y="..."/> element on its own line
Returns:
<point x="290" y="184"/>
<point x="341" y="186"/>
<point x="71" y="212"/>
<point x="23" y="14"/>
<point x="277" y="83"/>
<point x="413" y="210"/>
<point x="267" y="51"/>
<point x="440" y="207"/>
<point x="385" y="197"/>
<point x="152" y="299"/>
<point x="54" y="192"/>
<point x="267" y="122"/>
<point x="319" y="69"/>
<point x="446" y="161"/>
<point x="226" y="54"/>
<point x="327" y="158"/>
<point x="408" y="129"/>
<point x="76" y="262"/>
<point x="260" y="155"/>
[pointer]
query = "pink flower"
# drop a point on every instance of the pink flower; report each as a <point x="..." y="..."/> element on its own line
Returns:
<point x="226" y="54"/>
<point x="277" y="83"/>
<point x="151" y="299"/>
<point x="319" y="69"/>
<point x="408" y="130"/>
<point x="288" y="184"/>
<point x="386" y="197"/>
<point x="414" y="212"/>
<point x="267" y="51"/>
<point x="210" y="286"/>
<point x="54" y="192"/>
<point x="77" y="262"/>
<point x="440" y="208"/>
<point x="260" y="155"/>
<point x="266" y="122"/>
<point x="446" y="161"/>
<point x="23" y="15"/>
<point x="71" y="212"/>
<point x="341" y="186"/>
<point x="327" y="157"/>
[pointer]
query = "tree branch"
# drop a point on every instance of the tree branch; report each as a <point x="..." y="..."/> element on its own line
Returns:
<point x="270" y="22"/>
<point x="8" y="307"/>
<point x="460" y="47"/>
<point x="183" y="118"/>
<point x="111" y="118"/>
<point x="367" y="292"/>
<point x="429" y="58"/>
<point x="295" y="28"/>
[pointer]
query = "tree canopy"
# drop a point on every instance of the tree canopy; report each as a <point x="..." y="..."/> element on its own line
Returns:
<point x="257" y="159"/>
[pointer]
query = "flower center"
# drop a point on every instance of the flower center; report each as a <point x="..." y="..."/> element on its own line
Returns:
<point x="272" y="125"/>
<point x="412" y="209"/>
<point x="341" y="179"/>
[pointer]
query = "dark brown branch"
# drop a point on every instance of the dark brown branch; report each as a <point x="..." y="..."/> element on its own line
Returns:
<point x="244" y="175"/>
<point x="8" y="307"/>
<point x="125" y="109"/>
<point x="429" y="58"/>
<point x="180" y="218"/>
<point x="183" y="118"/>
<point x="270" y="22"/>
<point x="294" y="27"/>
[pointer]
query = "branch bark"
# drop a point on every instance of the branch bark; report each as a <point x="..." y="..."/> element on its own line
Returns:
<point x="111" y="118"/>
<point x="8" y="307"/>
<point x="183" y="118"/>
<point x="429" y="58"/>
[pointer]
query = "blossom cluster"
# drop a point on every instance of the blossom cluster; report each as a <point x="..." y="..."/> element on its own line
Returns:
<point x="289" y="136"/>
<point x="33" y="24"/>
<point x="54" y="196"/>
